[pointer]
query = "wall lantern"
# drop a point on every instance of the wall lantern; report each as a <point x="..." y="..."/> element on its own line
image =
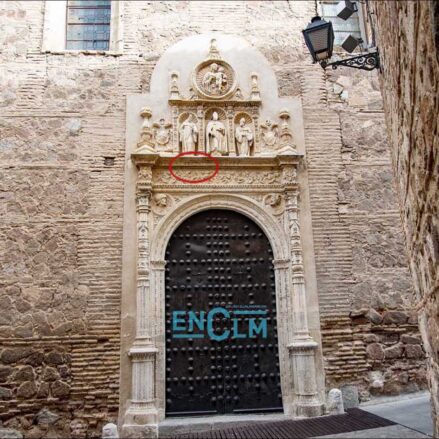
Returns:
<point x="319" y="37"/>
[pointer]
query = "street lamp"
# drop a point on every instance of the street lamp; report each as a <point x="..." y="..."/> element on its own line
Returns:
<point x="319" y="38"/>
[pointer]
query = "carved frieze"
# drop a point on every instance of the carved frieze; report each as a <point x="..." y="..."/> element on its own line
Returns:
<point x="231" y="177"/>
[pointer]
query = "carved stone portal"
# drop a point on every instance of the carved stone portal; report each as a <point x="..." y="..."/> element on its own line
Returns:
<point x="258" y="177"/>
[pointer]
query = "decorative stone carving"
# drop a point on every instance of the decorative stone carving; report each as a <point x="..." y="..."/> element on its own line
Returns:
<point x="208" y="116"/>
<point x="255" y="94"/>
<point x="214" y="78"/>
<point x="270" y="133"/>
<point x="289" y="175"/>
<point x="275" y="203"/>
<point x="144" y="175"/>
<point x="162" y="134"/>
<point x="216" y="135"/>
<point x="188" y="133"/>
<point x="225" y="177"/>
<point x="287" y="145"/>
<point x="147" y="134"/>
<point x="238" y="94"/>
<point x="161" y="203"/>
<point x="244" y="138"/>
<point x="174" y="91"/>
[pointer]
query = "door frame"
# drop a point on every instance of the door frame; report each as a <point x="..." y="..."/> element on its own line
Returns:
<point x="281" y="261"/>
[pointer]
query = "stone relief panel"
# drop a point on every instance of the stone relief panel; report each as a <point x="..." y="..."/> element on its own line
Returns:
<point x="270" y="134"/>
<point x="227" y="177"/>
<point x="214" y="116"/>
<point x="162" y="135"/>
<point x="214" y="78"/>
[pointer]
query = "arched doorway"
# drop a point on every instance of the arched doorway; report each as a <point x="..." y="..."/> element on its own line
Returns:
<point x="220" y="304"/>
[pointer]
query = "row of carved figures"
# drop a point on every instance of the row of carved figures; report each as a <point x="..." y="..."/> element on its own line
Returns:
<point x="213" y="135"/>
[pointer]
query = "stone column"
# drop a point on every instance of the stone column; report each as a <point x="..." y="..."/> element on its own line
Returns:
<point x="303" y="347"/>
<point x="141" y="418"/>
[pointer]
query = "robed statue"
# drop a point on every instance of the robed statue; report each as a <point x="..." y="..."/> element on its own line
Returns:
<point x="216" y="135"/>
<point x="244" y="138"/>
<point x="188" y="135"/>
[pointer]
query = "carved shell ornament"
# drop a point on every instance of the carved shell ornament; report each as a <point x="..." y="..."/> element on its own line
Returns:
<point x="214" y="78"/>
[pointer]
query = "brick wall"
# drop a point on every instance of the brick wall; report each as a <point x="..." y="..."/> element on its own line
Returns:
<point x="62" y="153"/>
<point x="408" y="37"/>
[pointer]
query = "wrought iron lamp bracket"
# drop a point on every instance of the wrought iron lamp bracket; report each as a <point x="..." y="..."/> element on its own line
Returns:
<point x="367" y="61"/>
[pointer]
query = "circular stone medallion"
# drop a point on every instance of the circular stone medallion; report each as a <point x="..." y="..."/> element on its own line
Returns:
<point x="214" y="79"/>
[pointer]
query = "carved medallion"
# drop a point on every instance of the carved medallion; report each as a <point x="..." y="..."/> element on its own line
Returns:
<point x="214" y="78"/>
<point x="161" y="203"/>
<point x="275" y="203"/>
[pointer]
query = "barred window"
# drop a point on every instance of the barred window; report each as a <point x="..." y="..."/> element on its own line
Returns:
<point x="342" y="28"/>
<point x="88" y="24"/>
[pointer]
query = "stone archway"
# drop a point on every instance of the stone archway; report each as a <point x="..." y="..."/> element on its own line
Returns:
<point x="278" y="241"/>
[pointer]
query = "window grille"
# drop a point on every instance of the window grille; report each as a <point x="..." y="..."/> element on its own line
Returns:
<point x="342" y="28"/>
<point x="88" y="24"/>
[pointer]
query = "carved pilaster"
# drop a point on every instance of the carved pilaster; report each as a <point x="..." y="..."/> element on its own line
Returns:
<point x="303" y="347"/>
<point x="142" y="414"/>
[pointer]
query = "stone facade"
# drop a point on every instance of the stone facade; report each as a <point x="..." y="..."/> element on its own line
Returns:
<point x="63" y="132"/>
<point x="409" y="43"/>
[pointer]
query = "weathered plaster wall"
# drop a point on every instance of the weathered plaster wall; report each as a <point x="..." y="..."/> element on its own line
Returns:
<point x="408" y="37"/>
<point x="62" y="152"/>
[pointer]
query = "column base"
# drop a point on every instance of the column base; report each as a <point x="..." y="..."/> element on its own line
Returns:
<point x="149" y="431"/>
<point x="310" y="411"/>
<point x="140" y="423"/>
<point x="308" y="403"/>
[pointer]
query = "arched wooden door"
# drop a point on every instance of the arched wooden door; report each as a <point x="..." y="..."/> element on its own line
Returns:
<point x="221" y="333"/>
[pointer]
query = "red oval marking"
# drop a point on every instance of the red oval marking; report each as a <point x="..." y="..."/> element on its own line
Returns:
<point x="185" y="180"/>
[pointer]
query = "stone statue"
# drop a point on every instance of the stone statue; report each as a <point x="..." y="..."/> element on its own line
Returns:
<point x="335" y="402"/>
<point x="109" y="431"/>
<point x="244" y="138"/>
<point x="216" y="135"/>
<point x="162" y="132"/>
<point x="188" y="135"/>
<point x="215" y="80"/>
